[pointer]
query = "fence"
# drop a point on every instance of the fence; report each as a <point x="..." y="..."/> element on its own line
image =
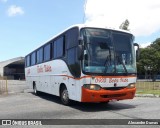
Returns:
<point x="147" y="86"/>
<point x="3" y="85"/>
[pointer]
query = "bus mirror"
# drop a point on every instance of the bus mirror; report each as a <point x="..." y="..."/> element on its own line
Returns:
<point x="138" y="50"/>
<point x="80" y="52"/>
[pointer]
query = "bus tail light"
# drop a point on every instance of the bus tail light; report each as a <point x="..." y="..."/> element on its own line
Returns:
<point x="92" y="86"/>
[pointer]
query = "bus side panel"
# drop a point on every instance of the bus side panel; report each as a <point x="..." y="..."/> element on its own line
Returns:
<point x="63" y="76"/>
<point x="29" y="81"/>
<point x="50" y="80"/>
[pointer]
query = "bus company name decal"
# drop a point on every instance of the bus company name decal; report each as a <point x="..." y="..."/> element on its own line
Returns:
<point x="117" y="80"/>
<point x="28" y="71"/>
<point x="111" y="80"/>
<point x="45" y="68"/>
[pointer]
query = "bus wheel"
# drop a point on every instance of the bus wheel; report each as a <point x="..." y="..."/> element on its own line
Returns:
<point x="104" y="103"/>
<point x="35" y="90"/>
<point x="65" y="96"/>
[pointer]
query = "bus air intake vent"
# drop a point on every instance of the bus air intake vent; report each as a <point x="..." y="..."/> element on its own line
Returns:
<point x="113" y="95"/>
<point x="114" y="88"/>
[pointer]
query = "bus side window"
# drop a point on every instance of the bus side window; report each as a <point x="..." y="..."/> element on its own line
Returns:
<point x="72" y="38"/>
<point x="33" y="58"/>
<point x="40" y="55"/>
<point x="47" y="52"/>
<point x="58" y="47"/>
<point x="28" y="61"/>
<point x="71" y="49"/>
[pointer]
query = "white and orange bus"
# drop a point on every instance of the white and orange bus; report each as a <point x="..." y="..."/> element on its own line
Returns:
<point x="85" y="64"/>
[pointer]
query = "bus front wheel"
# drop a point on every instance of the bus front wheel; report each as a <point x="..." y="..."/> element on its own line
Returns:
<point x="65" y="96"/>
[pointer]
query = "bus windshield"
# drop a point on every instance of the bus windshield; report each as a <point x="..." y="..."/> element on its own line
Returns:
<point x="108" y="52"/>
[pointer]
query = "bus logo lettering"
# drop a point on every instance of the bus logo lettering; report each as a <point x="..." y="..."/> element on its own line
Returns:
<point x="100" y="80"/>
<point x="47" y="68"/>
<point x="39" y="69"/>
<point x="123" y="80"/>
<point x="113" y="80"/>
<point x="28" y="72"/>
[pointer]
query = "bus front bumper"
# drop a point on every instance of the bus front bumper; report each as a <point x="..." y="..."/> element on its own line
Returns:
<point x="107" y="95"/>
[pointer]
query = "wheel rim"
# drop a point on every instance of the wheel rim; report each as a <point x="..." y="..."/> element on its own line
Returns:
<point x="65" y="97"/>
<point x="35" y="90"/>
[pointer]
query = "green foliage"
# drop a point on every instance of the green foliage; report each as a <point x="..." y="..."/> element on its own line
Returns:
<point x="156" y="44"/>
<point x="124" y="25"/>
<point x="150" y="59"/>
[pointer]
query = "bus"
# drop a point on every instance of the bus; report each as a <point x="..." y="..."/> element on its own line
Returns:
<point x="85" y="64"/>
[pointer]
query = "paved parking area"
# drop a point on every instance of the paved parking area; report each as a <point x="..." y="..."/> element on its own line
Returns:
<point x="26" y="105"/>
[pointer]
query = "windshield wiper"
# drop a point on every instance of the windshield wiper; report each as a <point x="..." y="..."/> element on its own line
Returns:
<point x="86" y="46"/>
<point x="121" y="61"/>
<point x="107" y="63"/>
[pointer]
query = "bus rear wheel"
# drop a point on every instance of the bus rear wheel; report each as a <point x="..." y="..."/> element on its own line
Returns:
<point x="35" y="90"/>
<point x="64" y="96"/>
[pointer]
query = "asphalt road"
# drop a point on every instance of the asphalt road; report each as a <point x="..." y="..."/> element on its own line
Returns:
<point x="29" y="106"/>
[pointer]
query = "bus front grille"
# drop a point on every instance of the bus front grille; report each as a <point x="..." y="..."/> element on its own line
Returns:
<point x="114" y="88"/>
<point x="113" y="95"/>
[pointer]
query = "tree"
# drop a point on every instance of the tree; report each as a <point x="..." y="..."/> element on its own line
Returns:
<point x="156" y="44"/>
<point x="124" y="25"/>
<point x="150" y="59"/>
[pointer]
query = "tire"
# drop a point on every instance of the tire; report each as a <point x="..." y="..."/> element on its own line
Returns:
<point x="65" y="96"/>
<point x="104" y="103"/>
<point x="35" y="90"/>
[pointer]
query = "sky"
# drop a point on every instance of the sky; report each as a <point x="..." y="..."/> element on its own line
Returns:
<point x="26" y="24"/>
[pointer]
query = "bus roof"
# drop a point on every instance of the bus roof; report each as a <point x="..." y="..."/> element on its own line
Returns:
<point x="81" y="26"/>
<point x="89" y="26"/>
<point x="96" y="26"/>
<point x="92" y="26"/>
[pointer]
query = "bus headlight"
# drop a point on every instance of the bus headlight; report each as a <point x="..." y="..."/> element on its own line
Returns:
<point x="132" y="85"/>
<point x="92" y="86"/>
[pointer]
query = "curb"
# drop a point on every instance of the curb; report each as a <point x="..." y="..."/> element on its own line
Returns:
<point x="147" y="95"/>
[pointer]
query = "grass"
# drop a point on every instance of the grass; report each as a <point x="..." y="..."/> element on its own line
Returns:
<point x="155" y="92"/>
<point x="147" y="87"/>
